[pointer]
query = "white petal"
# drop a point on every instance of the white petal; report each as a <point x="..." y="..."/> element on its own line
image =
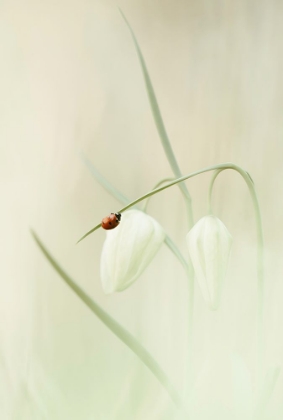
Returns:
<point x="209" y="244"/>
<point x="128" y="249"/>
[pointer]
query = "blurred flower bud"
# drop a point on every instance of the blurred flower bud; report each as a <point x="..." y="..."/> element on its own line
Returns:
<point x="209" y="244"/>
<point x="128" y="249"/>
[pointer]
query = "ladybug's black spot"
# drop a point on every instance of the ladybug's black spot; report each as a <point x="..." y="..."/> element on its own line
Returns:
<point x="110" y="223"/>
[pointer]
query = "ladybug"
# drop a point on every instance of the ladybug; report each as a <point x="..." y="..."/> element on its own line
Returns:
<point x="111" y="221"/>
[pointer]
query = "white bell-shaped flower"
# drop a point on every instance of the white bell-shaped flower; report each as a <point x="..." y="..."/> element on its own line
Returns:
<point x="128" y="249"/>
<point x="209" y="244"/>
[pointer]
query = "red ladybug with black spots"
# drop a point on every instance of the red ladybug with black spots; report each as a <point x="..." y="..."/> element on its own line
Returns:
<point x="111" y="221"/>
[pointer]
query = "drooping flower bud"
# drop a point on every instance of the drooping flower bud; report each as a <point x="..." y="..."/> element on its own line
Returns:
<point x="128" y="249"/>
<point x="209" y="244"/>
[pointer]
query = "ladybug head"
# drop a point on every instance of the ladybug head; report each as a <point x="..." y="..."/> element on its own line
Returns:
<point x="118" y="215"/>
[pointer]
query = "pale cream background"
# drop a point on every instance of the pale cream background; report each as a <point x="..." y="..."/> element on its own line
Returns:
<point x="71" y="81"/>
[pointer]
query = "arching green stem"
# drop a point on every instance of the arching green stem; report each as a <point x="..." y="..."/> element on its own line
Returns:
<point x="190" y="308"/>
<point x="170" y="184"/>
<point x="260" y="262"/>
<point x="214" y="176"/>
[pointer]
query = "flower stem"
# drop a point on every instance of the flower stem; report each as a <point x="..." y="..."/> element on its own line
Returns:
<point x="170" y="184"/>
<point x="214" y="176"/>
<point x="172" y="246"/>
<point x="190" y="309"/>
<point x="260" y="264"/>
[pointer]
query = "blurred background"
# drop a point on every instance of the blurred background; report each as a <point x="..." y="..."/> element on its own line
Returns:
<point x="71" y="82"/>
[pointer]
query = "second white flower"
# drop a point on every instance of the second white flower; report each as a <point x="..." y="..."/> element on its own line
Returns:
<point x="209" y="244"/>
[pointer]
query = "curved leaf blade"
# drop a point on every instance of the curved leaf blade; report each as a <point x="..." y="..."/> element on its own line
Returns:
<point x="157" y="114"/>
<point x="127" y="338"/>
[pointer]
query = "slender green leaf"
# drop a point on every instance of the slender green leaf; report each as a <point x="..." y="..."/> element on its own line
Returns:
<point x="89" y="232"/>
<point x="157" y="114"/>
<point x="115" y="327"/>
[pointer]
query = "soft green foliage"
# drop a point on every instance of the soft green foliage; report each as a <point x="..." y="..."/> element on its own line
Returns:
<point x="113" y="325"/>
<point x="129" y="249"/>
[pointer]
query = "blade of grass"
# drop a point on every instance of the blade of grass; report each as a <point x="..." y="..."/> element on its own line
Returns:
<point x="115" y="327"/>
<point x="159" y="122"/>
<point x="89" y="233"/>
